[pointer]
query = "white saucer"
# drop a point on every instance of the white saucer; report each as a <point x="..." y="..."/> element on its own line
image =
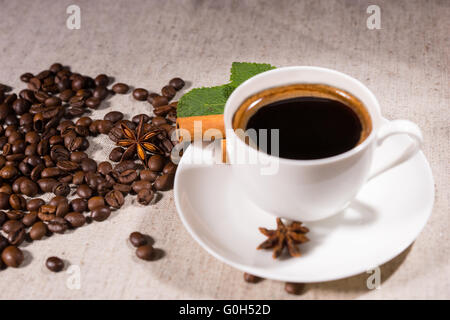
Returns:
<point x="384" y="219"/>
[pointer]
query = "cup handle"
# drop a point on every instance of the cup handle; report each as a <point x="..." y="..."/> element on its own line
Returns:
<point x="398" y="127"/>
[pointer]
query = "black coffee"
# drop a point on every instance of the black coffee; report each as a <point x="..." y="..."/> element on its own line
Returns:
<point x="309" y="127"/>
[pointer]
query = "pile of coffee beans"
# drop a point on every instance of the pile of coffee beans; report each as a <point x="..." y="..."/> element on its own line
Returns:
<point x="44" y="132"/>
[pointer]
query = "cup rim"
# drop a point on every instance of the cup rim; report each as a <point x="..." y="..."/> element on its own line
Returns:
<point x="229" y="127"/>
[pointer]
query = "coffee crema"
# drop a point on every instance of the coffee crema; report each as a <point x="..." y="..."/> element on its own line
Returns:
<point x="315" y="121"/>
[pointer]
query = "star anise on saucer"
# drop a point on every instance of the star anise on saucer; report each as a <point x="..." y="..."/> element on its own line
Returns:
<point x="137" y="141"/>
<point x="284" y="236"/>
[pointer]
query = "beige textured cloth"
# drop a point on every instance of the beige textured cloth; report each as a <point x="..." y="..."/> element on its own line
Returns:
<point x="145" y="43"/>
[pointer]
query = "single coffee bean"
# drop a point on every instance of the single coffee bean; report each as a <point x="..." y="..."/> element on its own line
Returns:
<point x="140" y="94"/>
<point x="12" y="256"/>
<point x="15" y="214"/>
<point x="29" y="219"/>
<point x="51" y="172"/>
<point x="95" y="202"/>
<point x="141" y="185"/>
<point x="137" y="239"/>
<point x="151" y="97"/>
<point x="115" y="199"/>
<point x="128" y="176"/>
<point x="170" y="168"/>
<point x="125" y="165"/>
<point x="100" y="92"/>
<point x="148" y="175"/>
<point x="47" y="212"/>
<point x="12" y="226"/>
<point x="8" y="172"/>
<point x="101" y="80"/>
<point x="52" y="102"/>
<point x="168" y="91"/>
<point x="75" y="219"/>
<point x="17" y="202"/>
<point x="164" y="182"/>
<point x="79" y="205"/>
<point x="104" y="168"/>
<point x="145" y="196"/>
<point x="3" y="243"/>
<point x="61" y="189"/>
<point x="38" y="230"/>
<point x="157" y="121"/>
<point x="105" y="126"/>
<point x="156" y="163"/>
<point x="113" y="116"/>
<point x="66" y="95"/>
<point x="251" y="278"/>
<point x="115" y="134"/>
<point x="88" y="165"/>
<point x="83" y="191"/>
<point x="177" y="83"/>
<point x="57" y="225"/>
<point x="16" y="238"/>
<point x="93" y="102"/>
<point x="160" y="101"/>
<point x="123" y="188"/>
<point x="84" y="121"/>
<point x="162" y="111"/>
<point x="144" y="252"/>
<point x="21" y="106"/>
<point x="101" y="213"/>
<point x="294" y="288"/>
<point x="116" y="154"/>
<point x="35" y="204"/>
<point x="120" y="88"/>
<point x="29" y="187"/>
<point x="26" y="77"/>
<point x="78" y="156"/>
<point x="54" y="264"/>
<point x="78" y="178"/>
<point x="4" y="201"/>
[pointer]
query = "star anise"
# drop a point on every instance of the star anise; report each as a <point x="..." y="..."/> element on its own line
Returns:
<point x="138" y="141"/>
<point x="284" y="236"/>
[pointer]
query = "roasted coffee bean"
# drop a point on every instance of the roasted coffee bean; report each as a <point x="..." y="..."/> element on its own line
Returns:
<point x="21" y="106"/>
<point x="78" y="178"/>
<point x="34" y="84"/>
<point x="78" y="83"/>
<point x="251" y="278"/>
<point x="116" y="134"/>
<point x="61" y="189"/>
<point x="101" y="80"/>
<point x="145" y="118"/>
<point x="140" y="94"/>
<point x="2" y="218"/>
<point x="16" y="238"/>
<point x="162" y="111"/>
<point x="168" y="91"/>
<point x="145" y="252"/>
<point x="26" y="77"/>
<point x="36" y="173"/>
<point x="66" y="165"/>
<point x="100" y="92"/>
<point x="62" y="208"/>
<point x="160" y="101"/>
<point x="12" y="226"/>
<point x="125" y="165"/>
<point x="29" y="219"/>
<point x="17" y="202"/>
<point x="28" y="187"/>
<point x="104" y="167"/>
<point x="157" y="121"/>
<point x="294" y="288"/>
<point x="8" y="172"/>
<point x="145" y="196"/>
<point x="137" y="239"/>
<point x="141" y="185"/>
<point x="151" y="97"/>
<point x="84" y="121"/>
<point x="57" y="225"/>
<point x="93" y="102"/>
<point x="75" y="219"/>
<point x="78" y="156"/>
<point x="116" y="154"/>
<point x="120" y="88"/>
<point x="148" y="175"/>
<point x="164" y="182"/>
<point x="83" y="191"/>
<point x="66" y="95"/>
<point x="95" y="202"/>
<point x="54" y="264"/>
<point x="177" y="83"/>
<point x="104" y="126"/>
<point x="57" y="200"/>
<point x="38" y="230"/>
<point x="113" y="116"/>
<point x="4" y="201"/>
<point x="51" y="172"/>
<point x="79" y="205"/>
<point x="52" y="102"/>
<point x="115" y="199"/>
<point x="88" y="165"/>
<point x="123" y="188"/>
<point x="100" y="213"/>
<point x="3" y="243"/>
<point x="47" y="212"/>
<point x="15" y="214"/>
<point x="128" y="176"/>
<point x="12" y="256"/>
<point x="156" y="163"/>
<point x="82" y="131"/>
<point x="35" y="204"/>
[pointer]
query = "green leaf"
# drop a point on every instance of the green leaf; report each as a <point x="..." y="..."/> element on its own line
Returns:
<point x="242" y="71"/>
<point x="211" y="100"/>
<point x="203" y="101"/>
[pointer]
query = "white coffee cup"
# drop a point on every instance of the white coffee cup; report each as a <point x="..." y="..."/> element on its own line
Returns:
<point x="310" y="190"/>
